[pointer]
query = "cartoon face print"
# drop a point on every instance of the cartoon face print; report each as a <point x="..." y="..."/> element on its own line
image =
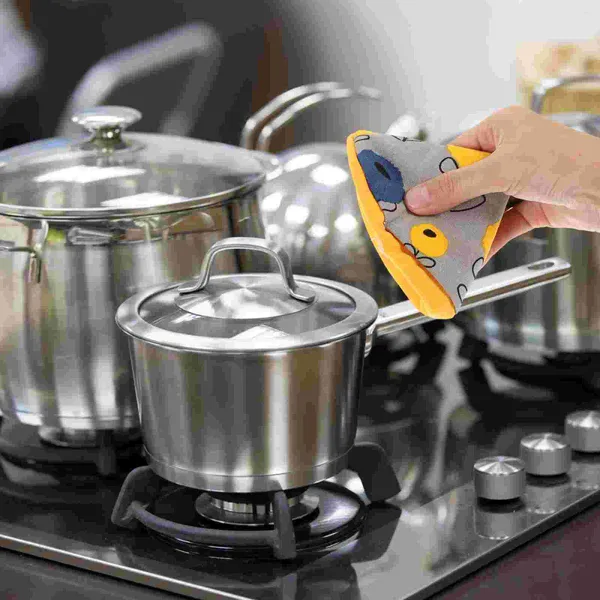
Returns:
<point x="451" y="247"/>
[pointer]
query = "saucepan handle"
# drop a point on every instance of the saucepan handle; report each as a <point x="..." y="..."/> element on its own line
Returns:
<point x="483" y="290"/>
<point x="302" y="293"/>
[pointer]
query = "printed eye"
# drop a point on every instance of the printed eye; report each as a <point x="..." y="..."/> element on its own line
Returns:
<point x="429" y="240"/>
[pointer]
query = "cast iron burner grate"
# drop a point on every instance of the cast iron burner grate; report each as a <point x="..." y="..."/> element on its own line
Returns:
<point x="27" y="447"/>
<point x="284" y="523"/>
<point x="557" y="374"/>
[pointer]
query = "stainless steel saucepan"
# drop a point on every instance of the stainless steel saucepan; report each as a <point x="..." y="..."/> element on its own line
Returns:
<point x="250" y="382"/>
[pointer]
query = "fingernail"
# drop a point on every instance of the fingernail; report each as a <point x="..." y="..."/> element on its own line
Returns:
<point x="417" y="198"/>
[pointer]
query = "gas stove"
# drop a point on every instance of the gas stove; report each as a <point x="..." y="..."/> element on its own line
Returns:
<point x="432" y="412"/>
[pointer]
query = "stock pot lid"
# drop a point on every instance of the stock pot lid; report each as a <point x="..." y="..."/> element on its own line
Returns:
<point x="114" y="174"/>
<point x="251" y="312"/>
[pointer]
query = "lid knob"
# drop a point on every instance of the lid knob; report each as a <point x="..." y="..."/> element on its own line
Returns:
<point x="106" y="123"/>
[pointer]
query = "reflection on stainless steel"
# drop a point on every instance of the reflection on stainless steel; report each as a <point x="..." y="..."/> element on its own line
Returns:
<point x="544" y="493"/>
<point x="499" y="521"/>
<point x="65" y="363"/>
<point x="565" y="317"/>
<point x="585" y="472"/>
<point x="442" y="533"/>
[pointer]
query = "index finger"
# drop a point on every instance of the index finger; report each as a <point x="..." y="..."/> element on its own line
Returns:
<point x="480" y="137"/>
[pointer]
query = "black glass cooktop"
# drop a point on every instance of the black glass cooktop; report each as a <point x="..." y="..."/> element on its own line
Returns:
<point x="433" y="412"/>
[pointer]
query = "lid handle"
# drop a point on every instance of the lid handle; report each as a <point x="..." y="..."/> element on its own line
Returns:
<point x="106" y="123"/>
<point x="302" y="293"/>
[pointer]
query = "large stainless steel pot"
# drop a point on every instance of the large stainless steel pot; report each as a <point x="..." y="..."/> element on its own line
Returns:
<point x="85" y="224"/>
<point x="248" y="383"/>
<point x="561" y="318"/>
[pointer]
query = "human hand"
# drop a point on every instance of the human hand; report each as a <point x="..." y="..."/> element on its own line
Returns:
<point x="554" y="168"/>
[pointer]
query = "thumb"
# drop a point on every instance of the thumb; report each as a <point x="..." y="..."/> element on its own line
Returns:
<point x="455" y="187"/>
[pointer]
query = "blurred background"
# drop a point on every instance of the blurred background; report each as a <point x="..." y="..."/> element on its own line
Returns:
<point x="445" y="63"/>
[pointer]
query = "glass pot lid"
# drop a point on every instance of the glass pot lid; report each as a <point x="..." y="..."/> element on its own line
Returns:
<point x="255" y="312"/>
<point x="111" y="173"/>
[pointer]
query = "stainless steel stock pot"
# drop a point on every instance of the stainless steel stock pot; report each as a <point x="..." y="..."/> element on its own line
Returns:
<point x="250" y="382"/>
<point x="86" y="223"/>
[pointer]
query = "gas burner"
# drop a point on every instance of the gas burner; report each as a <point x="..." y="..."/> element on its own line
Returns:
<point x="554" y="377"/>
<point x="331" y="514"/>
<point x="63" y="453"/>
<point x="283" y="523"/>
<point x="252" y="510"/>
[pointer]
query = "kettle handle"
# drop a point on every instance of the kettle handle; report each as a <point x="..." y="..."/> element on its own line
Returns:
<point x="289" y="114"/>
<point x="288" y="99"/>
<point x="547" y="85"/>
<point x="302" y="293"/>
<point x="275" y="106"/>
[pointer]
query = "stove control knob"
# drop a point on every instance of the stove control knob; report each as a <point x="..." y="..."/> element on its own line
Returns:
<point x="546" y="454"/>
<point x="582" y="429"/>
<point x="499" y="478"/>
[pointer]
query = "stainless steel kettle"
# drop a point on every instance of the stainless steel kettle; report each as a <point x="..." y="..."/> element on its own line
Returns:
<point x="310" y="208"/>
<point x="566" y="316"/>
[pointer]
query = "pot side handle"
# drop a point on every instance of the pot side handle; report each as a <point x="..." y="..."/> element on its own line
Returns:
<point x="35" y="251"/>
<point x="483" y="291"/>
